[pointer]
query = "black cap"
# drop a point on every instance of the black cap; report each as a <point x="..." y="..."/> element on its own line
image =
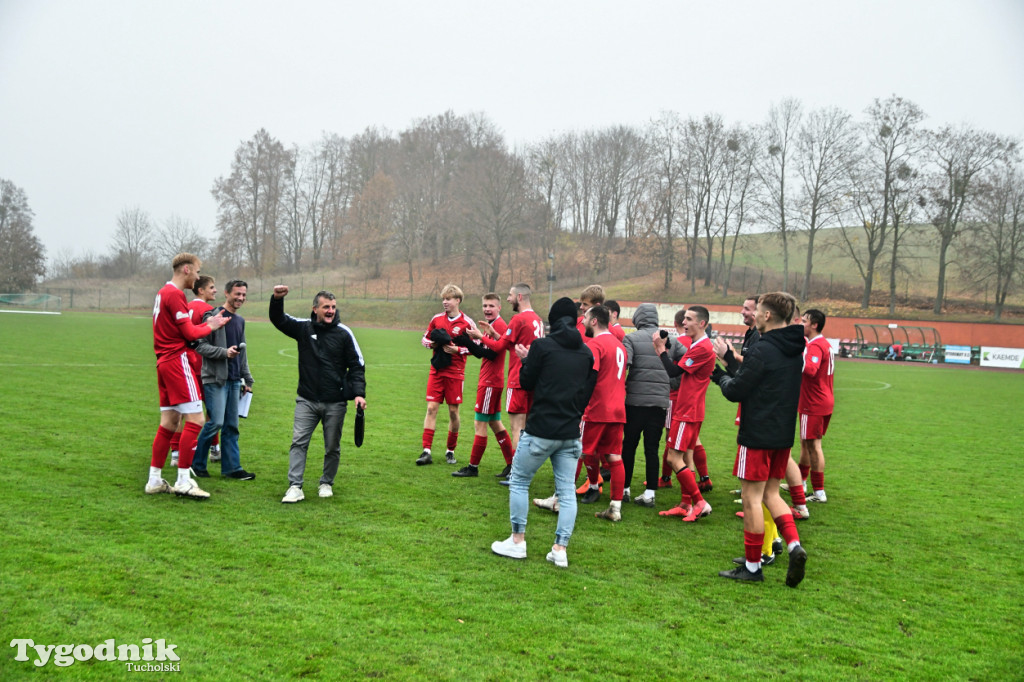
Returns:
<point x="563" y="307"/>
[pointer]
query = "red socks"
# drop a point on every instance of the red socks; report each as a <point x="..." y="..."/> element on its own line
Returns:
<point x="688" y="484"/>
<point x="176" y="440"/>
<point x="796" y="494"/>
<point x="189" y="434"/>
<point x="752" y="546"/>
<point x="666" y="468"/>
<point x="805" y="470"/>
<point x="787" y="528"/>
<point x="818" y="480"/>
<point x="593" y="464"/>
<point x="700" y="460"/>
<point x="618" y="479"/>
<point x="428" y="438"/>
<point x="505" y="443"/>
<point x="479" y="445"/>
<point x="161" y="446"/>
<point x="453" y="439"/>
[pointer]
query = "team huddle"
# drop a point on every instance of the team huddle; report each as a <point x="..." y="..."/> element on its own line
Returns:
<point x="586" y="393"/>
<point x="581" y="395"/>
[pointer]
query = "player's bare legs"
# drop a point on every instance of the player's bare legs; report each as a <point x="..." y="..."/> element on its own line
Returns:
<point x="817" y="461"/>
<point x="429" y="424"/>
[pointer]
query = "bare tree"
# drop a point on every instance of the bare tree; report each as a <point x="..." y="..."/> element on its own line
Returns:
<point x="372" y="218"/>
<point x="249" y="200"/>
<point x="890" y="136"/>
<point x="738" y="189"/>
<point x="994" y="253"/>
<point x="493" y="199"/>
<point x="179" y="235"/>
<point x="300" y="187"/>
<point x="959" y="155"/>
<point x="665" y="138"/>
<point x="133" y="240"/>
<point x="826" y="147"/>
<point x="22" y="256"/>
<point x="705" y="151"/>
<point x="774" y="169"/>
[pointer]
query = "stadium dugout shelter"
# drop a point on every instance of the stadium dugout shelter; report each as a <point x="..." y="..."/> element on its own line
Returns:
<point x="920" y="344"/>
<point x="39" y="304"/>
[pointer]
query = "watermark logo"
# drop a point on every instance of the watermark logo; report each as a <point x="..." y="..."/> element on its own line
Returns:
<point x="63" y="655"/>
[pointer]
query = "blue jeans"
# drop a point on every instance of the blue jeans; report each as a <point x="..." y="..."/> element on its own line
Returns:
<point x="222" y="406"/>
<point x="531" y="453"/>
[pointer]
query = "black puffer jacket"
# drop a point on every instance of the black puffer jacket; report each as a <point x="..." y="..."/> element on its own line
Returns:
<point x="559" y="369"/>
<point x="767" y="386"/>
<point x="331" y="367"/>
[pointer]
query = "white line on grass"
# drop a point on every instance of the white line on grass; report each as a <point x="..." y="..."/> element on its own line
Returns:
<point x="882" y="386"/>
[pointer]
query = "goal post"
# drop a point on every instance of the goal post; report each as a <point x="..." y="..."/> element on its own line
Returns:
<point x="39" y="304"/>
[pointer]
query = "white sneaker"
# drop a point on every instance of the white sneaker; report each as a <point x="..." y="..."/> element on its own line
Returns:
<point x="174" y="458"/>
<point x="609" y="514"/>
<point x="214" y="453"/>
<point x="560" y="558"/>
<point x="161" y="487"/>
<point x="509" y="548"/>
<point x="293" y="494"/>
<point x="817" y="496"/>
<point x="550" y="503"/>
<point x="190" y="489"/>
<point x="326" y="490"/>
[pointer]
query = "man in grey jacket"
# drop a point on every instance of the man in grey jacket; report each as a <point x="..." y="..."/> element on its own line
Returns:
<point x="225" y="378"/>
<point x="647" y="400"/>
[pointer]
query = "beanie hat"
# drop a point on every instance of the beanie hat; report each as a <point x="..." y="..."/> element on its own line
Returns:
<point x="563" y="307"/>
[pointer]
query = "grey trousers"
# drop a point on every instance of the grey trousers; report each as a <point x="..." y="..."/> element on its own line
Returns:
<point x="307" y="415"/>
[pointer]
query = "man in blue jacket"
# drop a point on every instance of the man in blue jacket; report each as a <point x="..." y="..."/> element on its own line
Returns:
<point x="559" y="369"/>
<point x="331" y="372"/>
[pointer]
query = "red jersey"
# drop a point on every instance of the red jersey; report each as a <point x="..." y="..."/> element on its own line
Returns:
<point x="524" y="327"/>
<point x="454" y="327"/>
<point x="492" y="372"/>
<point x="608" y="402"/>
<point x="172" y="324"/>
<point x="617" y="331"/>
<point x="697" y="364"/>
<point x="816" y="396"/>
<point x="198" y="307"/>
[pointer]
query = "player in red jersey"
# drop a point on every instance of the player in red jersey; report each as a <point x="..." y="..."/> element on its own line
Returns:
<point x="180" y="394"/>
<point x="694" y="370"/>
<point x="605" y="416"/>
<point x="614" y="327"/>
<point x="447" y="371"/>
<point x="523" y="329"/>
<point x="487" y="410"/>
<point x="205" y="290"/>
<point x="817" y="400"/>
<point x="589" y="297"/>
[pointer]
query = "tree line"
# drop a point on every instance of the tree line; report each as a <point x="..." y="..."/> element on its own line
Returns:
<point x="678" y="192"/>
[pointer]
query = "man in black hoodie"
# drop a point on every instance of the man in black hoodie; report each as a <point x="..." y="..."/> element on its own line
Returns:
<point x="767" y="386"/>
<point x="331" y="372"/>
<point x="559" y="369"/>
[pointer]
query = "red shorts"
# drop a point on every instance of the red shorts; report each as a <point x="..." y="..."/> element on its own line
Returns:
<point x="602" y="438"/>
<point x="682" y="436"/>
<point x="177" y="382"/>
<point x="488" y="399"/>
<point x="196" y="360"/>
<point x="518" y="400"/>
<point x="753" y="464"/>
<point x="813" y="426"/>
<point x="444" y="390"/>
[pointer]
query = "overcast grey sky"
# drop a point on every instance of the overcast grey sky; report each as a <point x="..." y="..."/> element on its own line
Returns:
<point x="106" y="104"/>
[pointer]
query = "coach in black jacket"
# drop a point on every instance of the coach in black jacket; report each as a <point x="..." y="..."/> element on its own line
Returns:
<point x="767" y="386"/>
<point x="559" y="369"/>
<point x="331" y="372"/>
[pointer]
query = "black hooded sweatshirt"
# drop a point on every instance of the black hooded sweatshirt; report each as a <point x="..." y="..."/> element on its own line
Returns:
<point x="767" y="387"/>
<point x="560" y="371"/>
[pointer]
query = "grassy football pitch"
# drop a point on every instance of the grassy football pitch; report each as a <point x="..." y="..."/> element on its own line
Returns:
<point x="915" y="568"/>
